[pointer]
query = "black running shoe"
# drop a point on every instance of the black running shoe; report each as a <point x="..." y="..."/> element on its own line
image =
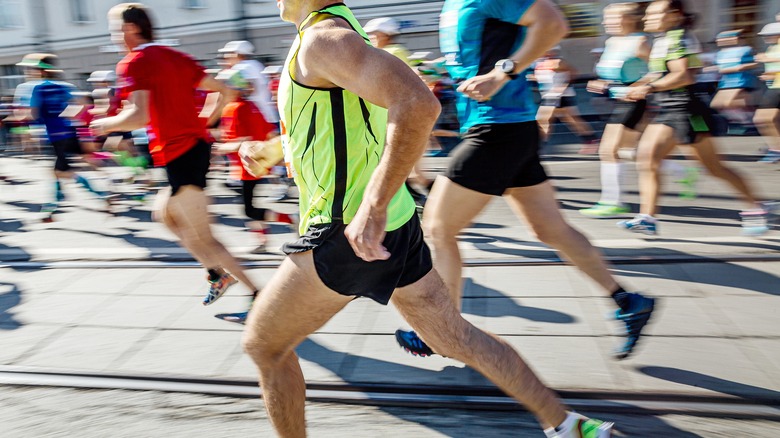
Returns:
<point x="635" y="318"/>
<point x="412" y="343"/>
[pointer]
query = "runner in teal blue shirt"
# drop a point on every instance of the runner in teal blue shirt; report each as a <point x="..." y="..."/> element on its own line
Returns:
<point x="488" y="46"/>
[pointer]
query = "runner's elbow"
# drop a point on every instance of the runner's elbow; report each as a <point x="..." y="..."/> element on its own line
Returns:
<point x="428" y="107"/>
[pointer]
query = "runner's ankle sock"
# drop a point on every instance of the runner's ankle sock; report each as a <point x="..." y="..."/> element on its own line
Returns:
<point x="214" y="274"/>
<point x="621" y="298"/>
<point x="611" y="183"/>
<point x="58" y="195"/>
<point x="85" y="183"/>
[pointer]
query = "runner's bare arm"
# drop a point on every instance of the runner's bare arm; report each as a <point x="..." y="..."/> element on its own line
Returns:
<point x="679" y="76"/>
<point x="332" y="54"/>
<point x="545" y="27"/>
<point x="133" y="116"/>
<point x="226" y="95"/>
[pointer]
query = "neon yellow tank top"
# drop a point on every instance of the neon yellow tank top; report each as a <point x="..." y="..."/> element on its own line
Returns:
<point x="332" y="141"/>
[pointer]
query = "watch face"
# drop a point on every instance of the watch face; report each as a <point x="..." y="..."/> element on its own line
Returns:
<point x="507" y="66"/>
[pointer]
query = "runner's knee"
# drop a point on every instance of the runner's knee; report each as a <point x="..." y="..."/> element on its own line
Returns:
<point x="263" y="352"/>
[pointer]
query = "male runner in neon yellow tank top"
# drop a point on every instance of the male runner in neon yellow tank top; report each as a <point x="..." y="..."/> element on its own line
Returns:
<point x="355" y="119"/>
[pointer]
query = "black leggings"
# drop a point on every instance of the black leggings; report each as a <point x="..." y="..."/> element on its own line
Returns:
<point x="247" y="192"/>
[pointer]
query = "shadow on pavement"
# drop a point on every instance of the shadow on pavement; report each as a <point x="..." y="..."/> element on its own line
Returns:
<point x="719" y="274"/>
<point x="511" y="423"/>
<point x="698" y="380"/>
<point x="10" y="297"/>
<point x="474" y="303"/>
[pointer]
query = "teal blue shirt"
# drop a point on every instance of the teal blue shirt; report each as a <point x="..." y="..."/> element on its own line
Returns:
<point x="473" y="36"/>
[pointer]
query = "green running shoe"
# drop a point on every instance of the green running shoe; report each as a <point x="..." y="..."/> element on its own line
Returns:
<point x="606" y="211"/>
<point x="577" y="426"/>
<point x="689" y="183"/>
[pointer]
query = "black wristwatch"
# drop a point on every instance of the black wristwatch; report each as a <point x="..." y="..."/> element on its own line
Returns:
<point x="508" y="67"/>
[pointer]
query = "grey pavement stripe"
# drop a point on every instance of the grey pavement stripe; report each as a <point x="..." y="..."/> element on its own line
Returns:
<point x="476" y="262"/>
<point x="404" y="396"/>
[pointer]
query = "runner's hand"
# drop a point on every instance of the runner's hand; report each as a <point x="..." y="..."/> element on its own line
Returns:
<point x="481" y="88"/>
<point x="597" y="86"/>
<point x="98" y="127"/>
<point x="366" y="233"/>
<point x="638" y="93"/>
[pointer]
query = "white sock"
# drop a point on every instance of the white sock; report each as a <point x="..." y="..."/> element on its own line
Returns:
<point x="673" y="168"/>
<point x="565" y="429"/>
<point x="612" y="183"/>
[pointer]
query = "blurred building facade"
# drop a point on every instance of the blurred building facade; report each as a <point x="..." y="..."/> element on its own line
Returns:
<point x="76" y="30"/>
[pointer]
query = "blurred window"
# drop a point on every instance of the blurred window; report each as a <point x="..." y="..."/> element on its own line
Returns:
<point x="10" y="76"/>
<point x="10" y="14"/>
<point x="584" y="19"/>
<point x="193" y="4"/>
<point x="745" y="15"/>
<point x="81" y="11"/>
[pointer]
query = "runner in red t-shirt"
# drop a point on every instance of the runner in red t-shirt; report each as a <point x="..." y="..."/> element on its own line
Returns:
<point x="243" y="121"/>
<point x="160" y="83"/>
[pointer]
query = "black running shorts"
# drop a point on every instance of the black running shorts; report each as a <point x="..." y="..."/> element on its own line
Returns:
<point x="687" y="115"/>
<point x="344" y="272"/>
<point x="770" y="99"/>
<point x="559" y="102"/>
<point x="494" y="158"/>
<point x="190" y="168"/>
<point x="63" y="148"/>
<point x="628" y="114"/>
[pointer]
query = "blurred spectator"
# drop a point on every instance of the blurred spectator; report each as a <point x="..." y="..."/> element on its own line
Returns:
<point x="767" y="118"/>
<point x="273" y="72"/>
<point x="382" y="32"/>
<point x="737" y="82"/>
<point x="559" y="100"/>
<point x="238" y="56"/>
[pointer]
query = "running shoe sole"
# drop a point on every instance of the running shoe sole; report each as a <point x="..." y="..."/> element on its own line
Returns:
<point x="402" y="342"/>
<point x="238" y="317"/>
<point x="642" y="319"/>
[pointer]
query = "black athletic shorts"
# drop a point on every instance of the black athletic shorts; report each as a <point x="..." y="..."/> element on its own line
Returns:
<point x="344" y="272"/>
<point x="688" y="116"/>
<point x="628" y="114"/>
<point x="190" y="169"/>
<point x="770" y="99"/>
<point x="494" y="158"/>
<point x="63" y="148"/>
<point x="560" y="102"/>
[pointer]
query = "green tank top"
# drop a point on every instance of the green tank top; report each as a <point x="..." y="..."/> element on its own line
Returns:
<point x="332" y="141"/>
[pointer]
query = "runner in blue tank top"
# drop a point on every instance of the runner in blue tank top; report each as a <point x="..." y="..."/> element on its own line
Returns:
<point x="736" y="65"/>
<point x="489" y="45"/>
<point x="48" y="98"/>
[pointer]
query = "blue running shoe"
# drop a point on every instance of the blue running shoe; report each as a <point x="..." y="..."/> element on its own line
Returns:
<point x="635" y="318"/>
<point x="238" y="318"/>
<point x="640" y="224"/>
<point x="412" y="343"/>
<point x="772" y="156"/>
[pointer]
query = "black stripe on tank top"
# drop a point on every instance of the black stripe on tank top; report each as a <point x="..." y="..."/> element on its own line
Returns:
<point x="340" y="150"/>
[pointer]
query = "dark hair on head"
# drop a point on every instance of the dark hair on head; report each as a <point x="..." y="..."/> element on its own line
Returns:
<point x="688" y="19"/>
<point x="140" y="17"/>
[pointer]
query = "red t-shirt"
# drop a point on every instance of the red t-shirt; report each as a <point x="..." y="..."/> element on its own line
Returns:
<point x="240" y="119"/>
<point x="171" y="78"/>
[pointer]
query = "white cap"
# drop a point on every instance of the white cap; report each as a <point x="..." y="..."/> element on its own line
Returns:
<point x="770" y="29"/>
<point x="102" y="76"/>
<point x="385" y="25"/>
<point x="273" y="70"/>
<point x="240" y="47"/>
